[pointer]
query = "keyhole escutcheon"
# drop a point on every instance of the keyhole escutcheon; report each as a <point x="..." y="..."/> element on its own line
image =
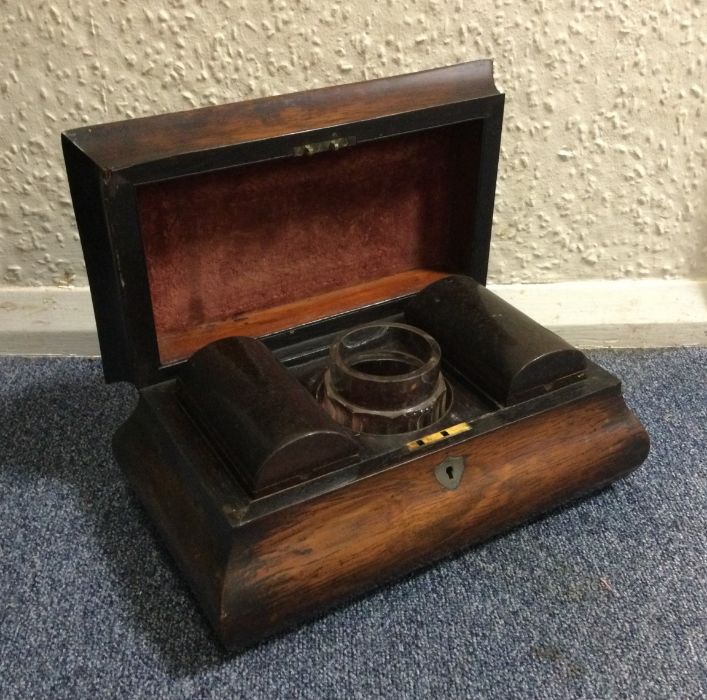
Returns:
<point x="449" y="472"/>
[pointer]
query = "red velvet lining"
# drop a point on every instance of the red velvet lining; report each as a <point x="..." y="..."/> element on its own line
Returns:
<point x="225" y="243"/>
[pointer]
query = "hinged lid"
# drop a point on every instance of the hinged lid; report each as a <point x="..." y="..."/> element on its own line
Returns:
<point x="249" y="218"/>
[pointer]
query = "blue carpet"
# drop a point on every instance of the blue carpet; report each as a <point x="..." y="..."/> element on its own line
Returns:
<point x="607" y="599"/>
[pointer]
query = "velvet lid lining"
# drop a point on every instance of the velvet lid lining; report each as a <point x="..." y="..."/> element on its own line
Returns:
<point x="227" y="243"/>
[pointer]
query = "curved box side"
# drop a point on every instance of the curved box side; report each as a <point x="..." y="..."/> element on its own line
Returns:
<point x="297" y="562"/>
<point x="189" y="522"/>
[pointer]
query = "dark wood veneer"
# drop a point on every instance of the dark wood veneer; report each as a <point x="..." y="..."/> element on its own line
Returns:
<point x="183" y="248"/>
<point x="120" y="145"/>
<point x="116" y="170"/>
<point x="258" y="576"/>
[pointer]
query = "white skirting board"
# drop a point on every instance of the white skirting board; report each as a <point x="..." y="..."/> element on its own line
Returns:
<point x="589" y="314"/>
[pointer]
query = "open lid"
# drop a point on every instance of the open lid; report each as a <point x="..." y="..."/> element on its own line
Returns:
<point x="254" y="217"/>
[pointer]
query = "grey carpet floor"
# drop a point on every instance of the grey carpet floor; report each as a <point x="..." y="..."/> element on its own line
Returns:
<point x="606" y="599"/>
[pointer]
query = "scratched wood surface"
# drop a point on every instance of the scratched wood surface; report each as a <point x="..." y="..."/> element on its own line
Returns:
<point x="297" y="562"/>
<point x="121" y="144"/>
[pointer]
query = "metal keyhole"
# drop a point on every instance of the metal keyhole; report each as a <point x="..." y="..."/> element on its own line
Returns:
<point x="449" y="472"/>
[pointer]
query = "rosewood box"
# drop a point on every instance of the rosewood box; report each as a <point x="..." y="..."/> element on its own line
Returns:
<point x="329" y="395"/>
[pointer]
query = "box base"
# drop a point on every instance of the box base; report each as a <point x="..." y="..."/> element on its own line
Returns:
<point x="258" y="570"/>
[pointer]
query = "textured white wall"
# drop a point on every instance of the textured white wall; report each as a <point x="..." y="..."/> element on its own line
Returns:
<point x="604" y="169"/>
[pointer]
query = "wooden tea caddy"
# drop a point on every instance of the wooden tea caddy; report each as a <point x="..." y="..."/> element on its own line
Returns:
<point x="291" y="219"/>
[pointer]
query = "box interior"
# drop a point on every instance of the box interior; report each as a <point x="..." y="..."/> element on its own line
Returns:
<point x="261" y="247"/>
<point x="305" y="354"/>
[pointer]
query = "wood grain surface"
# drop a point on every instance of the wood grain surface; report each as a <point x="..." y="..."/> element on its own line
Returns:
<point x="122" y="144"/>
<point x="257" y="578"/>
<point x="296" y="563"/>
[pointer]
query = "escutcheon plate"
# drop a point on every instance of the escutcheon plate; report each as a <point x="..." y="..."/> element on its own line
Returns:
<point x="449" y="473"/>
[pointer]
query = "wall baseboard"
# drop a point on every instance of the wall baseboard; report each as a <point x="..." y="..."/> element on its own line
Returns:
<point x="589" y="314"/>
